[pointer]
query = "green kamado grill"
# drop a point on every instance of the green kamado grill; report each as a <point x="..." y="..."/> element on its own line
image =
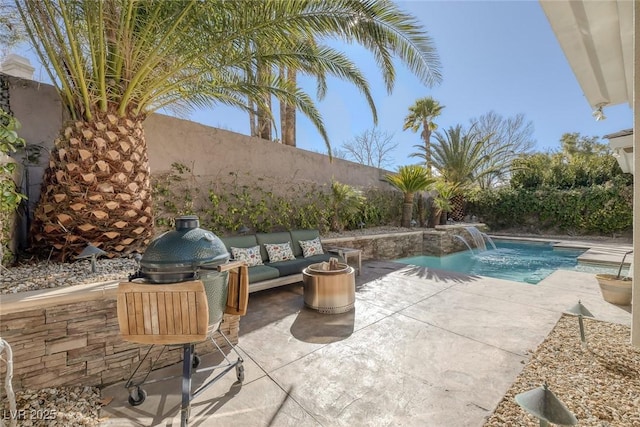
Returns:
<point x="185" y="254"/>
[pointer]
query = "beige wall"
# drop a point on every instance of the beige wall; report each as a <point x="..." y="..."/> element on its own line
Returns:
<point x="214" y="154"/>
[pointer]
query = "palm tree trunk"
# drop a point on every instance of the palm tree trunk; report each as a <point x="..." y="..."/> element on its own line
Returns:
<point x="407" y="210"/>
<point x="96" y="189"/>
<point x="253" y="119"/>
<point x="289" y="128"/>
<point x="426" y="136"/>
<point x="457" y="210"/>
<point x="264" y="117"/>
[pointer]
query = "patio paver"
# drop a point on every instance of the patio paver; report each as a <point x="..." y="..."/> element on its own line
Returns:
<point x="422" y="347"/>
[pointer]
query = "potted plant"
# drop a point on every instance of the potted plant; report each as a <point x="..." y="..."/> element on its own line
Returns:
<point x="615" y="289"/>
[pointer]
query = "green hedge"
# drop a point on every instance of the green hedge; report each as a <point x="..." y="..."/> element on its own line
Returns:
<point x="599" y="209"/>
<point x="225" y="209"/>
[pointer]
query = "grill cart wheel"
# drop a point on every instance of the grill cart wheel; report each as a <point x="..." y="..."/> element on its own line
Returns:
<point x="137" y="396"/>
<point x="240" y="372"/>
<point x="196" y="361"/>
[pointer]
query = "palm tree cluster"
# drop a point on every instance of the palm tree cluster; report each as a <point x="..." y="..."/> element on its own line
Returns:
<point x="462" y="158"/>
<point x="116" y="61"/>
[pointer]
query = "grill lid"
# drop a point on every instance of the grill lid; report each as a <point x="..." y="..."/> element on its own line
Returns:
<point x="183" y="250"/>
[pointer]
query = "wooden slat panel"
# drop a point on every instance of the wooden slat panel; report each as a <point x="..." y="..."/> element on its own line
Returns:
<point x="153" y="300"/>
<point x="168" y="299"/>
<point x="123" y="318"/>
<point x="203" y="313"/>
<point x="137" y="302"/>
<point x="131" y="312"/>
<point x="184" y="310"/>
<point x="177" y="314"/>
<point x="146" y="311"/>
<point x="162" y="314"/>
<point x="193" y="313"/>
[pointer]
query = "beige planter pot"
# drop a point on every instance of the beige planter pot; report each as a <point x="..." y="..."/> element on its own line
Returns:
<point x="615" y="290"/>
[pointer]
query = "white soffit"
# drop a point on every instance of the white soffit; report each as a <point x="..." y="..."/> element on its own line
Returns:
<point x="597" y="39"/>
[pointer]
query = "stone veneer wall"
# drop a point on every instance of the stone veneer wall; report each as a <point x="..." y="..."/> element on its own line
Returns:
<point x="435" y="242"/>
<point x="381" y="246"/>
<point x="62" y="343"/>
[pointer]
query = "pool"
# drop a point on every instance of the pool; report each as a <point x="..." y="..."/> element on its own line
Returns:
<point x="528" y="262"/>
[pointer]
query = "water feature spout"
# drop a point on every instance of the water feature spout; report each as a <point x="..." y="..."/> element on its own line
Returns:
<point x="477" y="237"/>
<point x="463" y="240"/>
<point x="488" y="239"/>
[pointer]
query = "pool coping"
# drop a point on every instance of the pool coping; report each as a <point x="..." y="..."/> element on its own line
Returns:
<point x="596" y="254"/>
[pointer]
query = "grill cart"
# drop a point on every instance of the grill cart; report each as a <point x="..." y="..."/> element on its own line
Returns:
<point x="177" y="298"/>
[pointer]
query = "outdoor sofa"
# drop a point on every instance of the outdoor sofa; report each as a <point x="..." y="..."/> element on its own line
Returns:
<point x="265" y="273"/>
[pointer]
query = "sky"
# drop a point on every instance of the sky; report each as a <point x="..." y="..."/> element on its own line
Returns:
<point x="499" y="56"/>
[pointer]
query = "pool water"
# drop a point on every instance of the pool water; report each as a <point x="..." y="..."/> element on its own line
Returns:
<point x="517" y="261"/>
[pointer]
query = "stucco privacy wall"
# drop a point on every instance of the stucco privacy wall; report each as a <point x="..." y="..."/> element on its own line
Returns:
<point x="217" y="157"/>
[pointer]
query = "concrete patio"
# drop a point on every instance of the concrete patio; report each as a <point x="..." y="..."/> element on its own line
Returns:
<point x="422" y="348"/>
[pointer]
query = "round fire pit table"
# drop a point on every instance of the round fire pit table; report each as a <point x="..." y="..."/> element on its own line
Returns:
<point x="329" y="291"/>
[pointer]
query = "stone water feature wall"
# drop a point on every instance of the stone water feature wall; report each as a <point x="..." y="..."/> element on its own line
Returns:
<point x="441" y="241"/>
<point x="436" y="242"/>
<point x="70" y="336"/>
<point x="382" y="246"/>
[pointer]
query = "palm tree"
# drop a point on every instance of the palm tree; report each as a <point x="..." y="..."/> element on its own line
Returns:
<point x="345" y="203"/>
<point x="410" y="179"/>
<point x="116" y="61"/>
<point x="421" y="115"/>
<point x="459" y="158"/>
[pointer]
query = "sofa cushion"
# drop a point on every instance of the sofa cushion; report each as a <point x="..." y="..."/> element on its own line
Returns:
<point x="279" y="252"/>
<point x="311" y="247"/>
<point x="320" y="258"/>
<point x="250" y="255"/>
<point x="297" y="235"/>
<point x="262" y="238"/>
<point x="294" y="266"/>
<point x="239" y="241"/>
<point x="259" y="273"/>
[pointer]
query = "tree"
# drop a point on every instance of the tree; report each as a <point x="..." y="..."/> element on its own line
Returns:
<point x="507" y="138"/>
<point x="11" y="29"/>
<point x="573" y="144"/>
<point x="410" y="179"/>
<point x="372" y="148"/>
<point x="460" y="159"/>
<point x="115" y="61"/>
<point x="345" y="202"/>
<point x="421" y="115"/>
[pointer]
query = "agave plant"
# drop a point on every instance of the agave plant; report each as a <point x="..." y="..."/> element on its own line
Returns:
<point x="410" y="179"/>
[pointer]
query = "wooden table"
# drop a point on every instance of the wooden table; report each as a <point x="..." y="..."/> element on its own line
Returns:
<point x="346" y="253"/>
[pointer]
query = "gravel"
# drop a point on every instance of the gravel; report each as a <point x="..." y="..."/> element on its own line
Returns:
<point x="598" y="383"/>
<point x="64" y="406"/>
<point x="43" y="275"/>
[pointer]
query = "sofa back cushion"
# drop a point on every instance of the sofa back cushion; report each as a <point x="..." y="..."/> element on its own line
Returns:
<point x="247" y="241"/>
<point x="262" y="238"/>
<point x="297" y="235"/>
